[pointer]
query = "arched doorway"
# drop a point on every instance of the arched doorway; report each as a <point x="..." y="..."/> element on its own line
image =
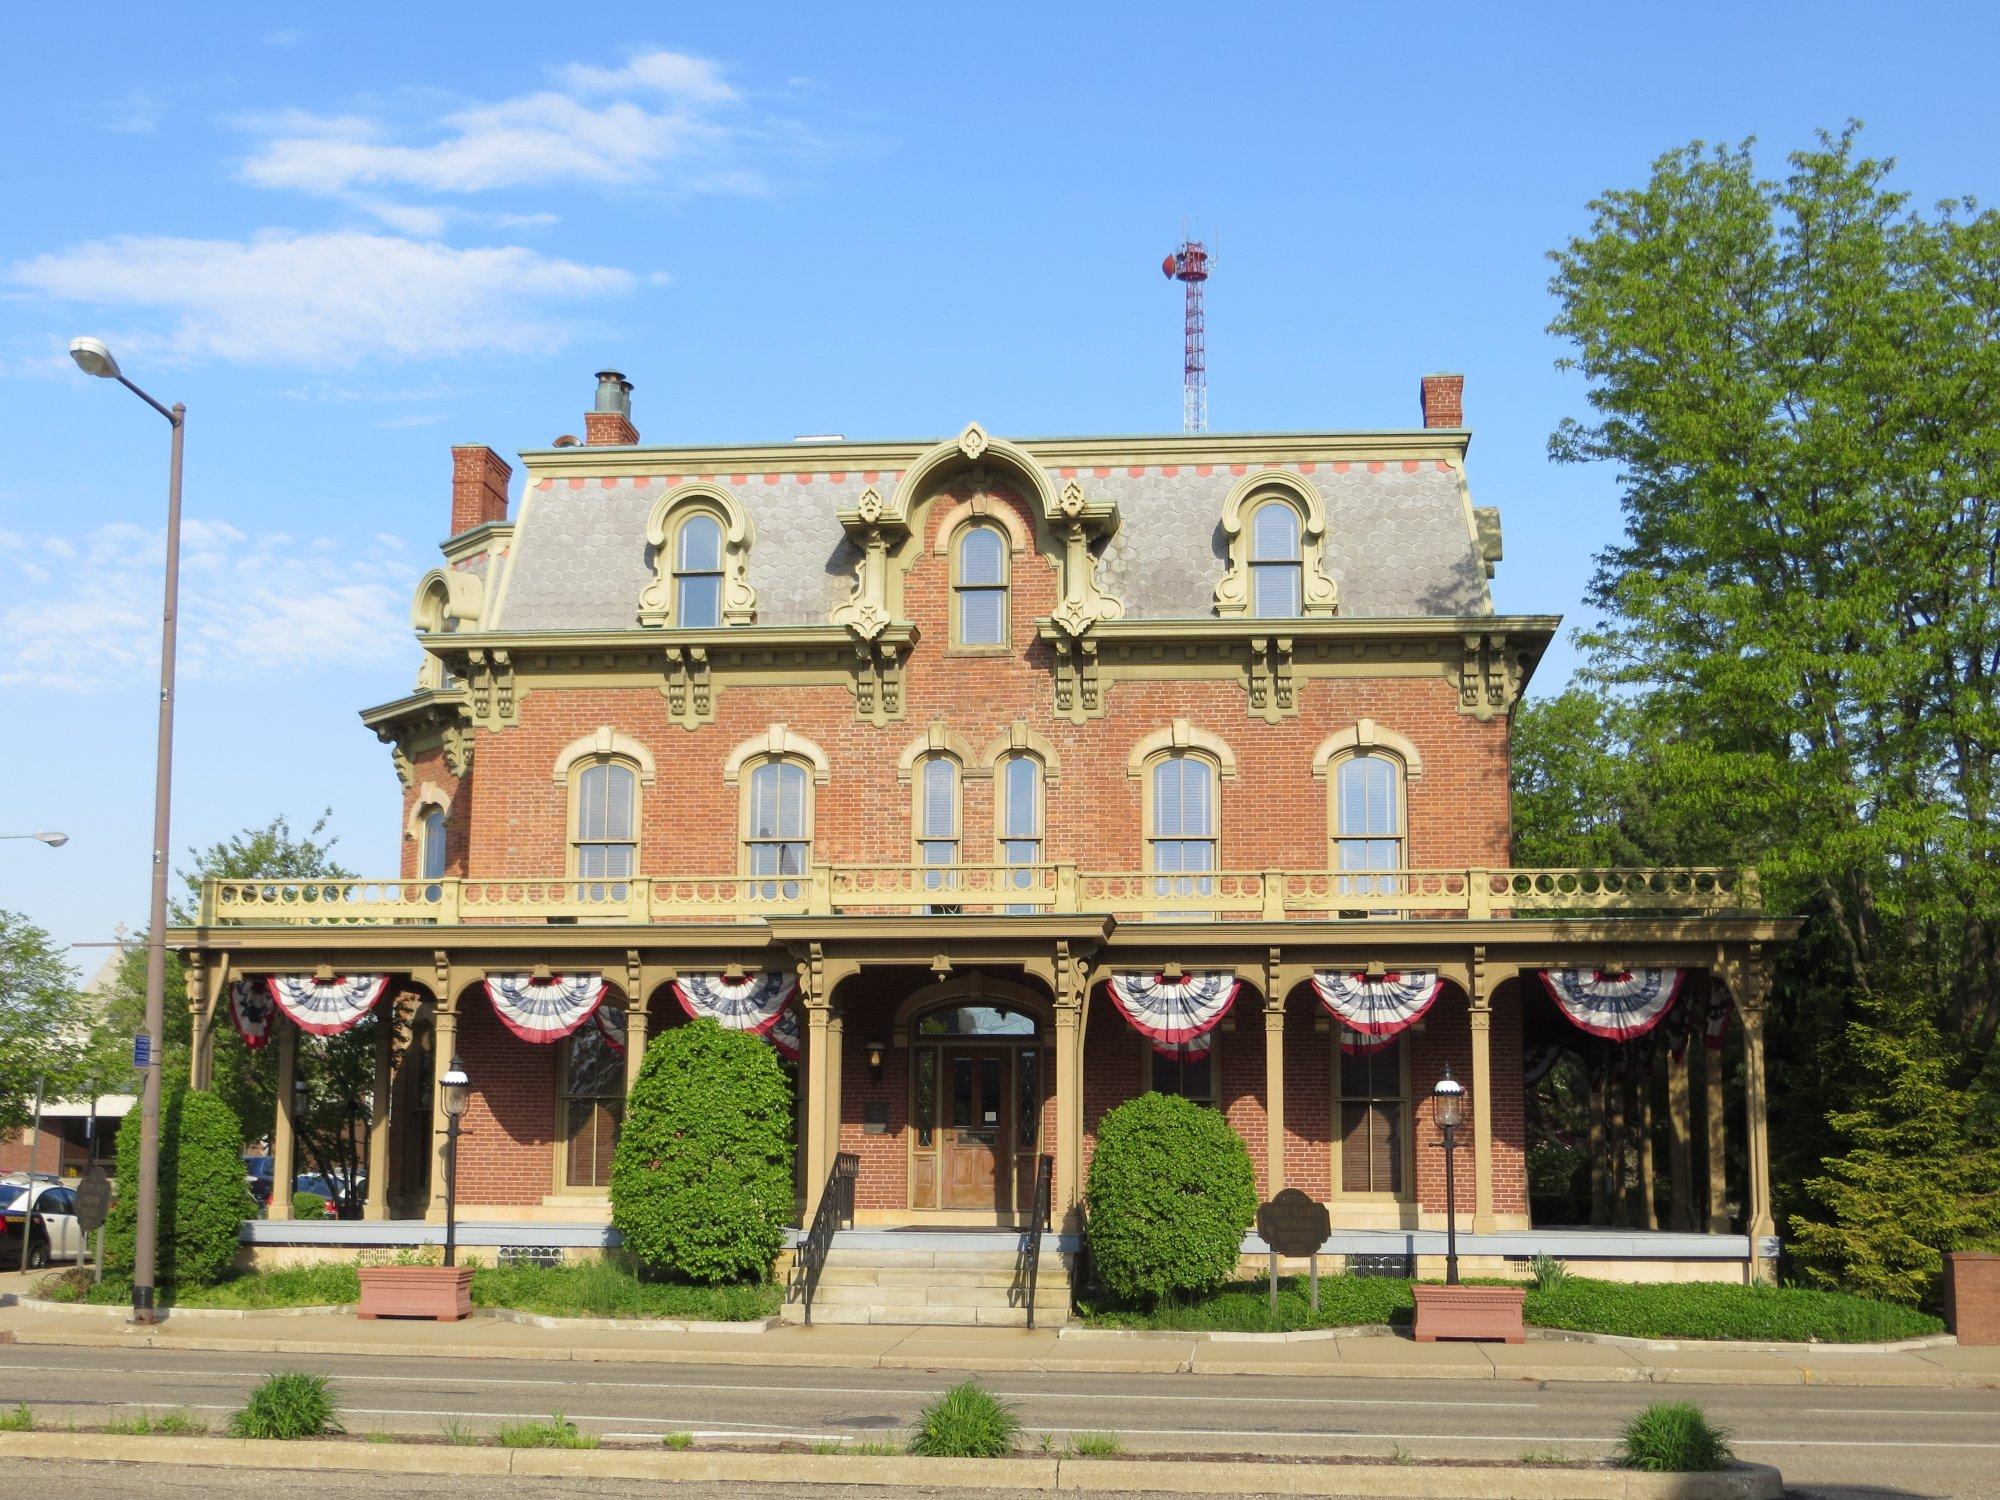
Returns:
<point x="978" y="1081"/>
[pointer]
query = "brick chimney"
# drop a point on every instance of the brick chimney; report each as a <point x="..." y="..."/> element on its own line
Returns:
<point x="478" y="486"/>
<point x="609" y="425"/>
<point x="1444" y="400"/>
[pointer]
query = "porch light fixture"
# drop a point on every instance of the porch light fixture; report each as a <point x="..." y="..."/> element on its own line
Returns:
<point x="877" y="1051"/>
<point x="1448" y="1104"/>
<point x="454" y="1095"/>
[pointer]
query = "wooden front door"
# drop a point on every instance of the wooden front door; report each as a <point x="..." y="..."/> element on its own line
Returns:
<point x="977" y="1129"/>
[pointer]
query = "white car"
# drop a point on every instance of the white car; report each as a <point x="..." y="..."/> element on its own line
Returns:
<point x="52" y="1236"/>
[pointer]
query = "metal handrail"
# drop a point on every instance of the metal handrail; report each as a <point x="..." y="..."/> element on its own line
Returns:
<point x="1039" y="1223"/>
<point x="836" y="1207"/>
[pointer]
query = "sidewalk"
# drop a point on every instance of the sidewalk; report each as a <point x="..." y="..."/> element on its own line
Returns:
<point x="1001" y="1349"/>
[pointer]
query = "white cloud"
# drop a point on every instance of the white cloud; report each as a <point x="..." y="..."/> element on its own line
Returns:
<point x="607" y="127"/>
<point x="251" y="606"/>
<point x="320" y="299"/>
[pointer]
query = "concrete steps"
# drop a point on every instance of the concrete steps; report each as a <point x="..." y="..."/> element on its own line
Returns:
<point x="973" y="1282"/>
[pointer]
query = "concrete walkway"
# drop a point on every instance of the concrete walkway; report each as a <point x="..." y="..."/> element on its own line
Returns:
<point x="1001" y="1349"/>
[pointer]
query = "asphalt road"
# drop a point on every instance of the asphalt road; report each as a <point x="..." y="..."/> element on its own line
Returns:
<point x="1828" y="1441"/>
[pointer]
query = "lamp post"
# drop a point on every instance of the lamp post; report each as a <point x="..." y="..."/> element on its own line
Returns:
<point x="1447" y="1102"/>
<point x="454" y="1094"/>
<point x="93" y="358"/>
<point x="53" y="840"/>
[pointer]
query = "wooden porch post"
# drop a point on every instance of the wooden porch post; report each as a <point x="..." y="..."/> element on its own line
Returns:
<point x="1716" y="1129"/>
<point x="836" y="1038"/>
<point x="1069" y="1116"/>
<point x="1600" y="1198"/>
<point x="444" y="1047"/>
<point x="1680" y="1214"/>
<point x="1649" y="1212"/>
<point x="1481" y="1017"/>
<point x="1615" y="1089"/>
<point x="819" y="1161"/>
<point x="1751" y="988"/>
<point x="1274" y="1097"/>
<point x="283" y="1139"/>
<point x="638" y="1021"/>
<point x="386" y="1017"/>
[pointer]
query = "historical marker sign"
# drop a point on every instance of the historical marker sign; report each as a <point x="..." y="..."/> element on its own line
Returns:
<point x="93" y="1200"/>
<point x="1293" y="1224"/>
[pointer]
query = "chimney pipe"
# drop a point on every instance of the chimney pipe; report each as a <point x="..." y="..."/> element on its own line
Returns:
<point x="1443" y="400"/>
<point x="609" y="423"/>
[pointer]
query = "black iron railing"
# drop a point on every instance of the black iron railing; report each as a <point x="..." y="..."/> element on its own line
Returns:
<point x="1027" y="1271"/>
<point x="836" y="1207"/>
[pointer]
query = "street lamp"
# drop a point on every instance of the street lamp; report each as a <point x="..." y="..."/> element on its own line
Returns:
<point x="93" y="358"/>
<point x="53" y="840"/>
<point x="1448" y="1103"/>
<point x="454" y="1094"/>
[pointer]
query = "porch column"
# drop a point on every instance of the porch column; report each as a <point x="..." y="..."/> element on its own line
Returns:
<point x="444" y="1047"/>
<point x="199" y="1064"/>
<point x="1600" y="1179"/>
<point x="1716" y="1129"/>
<point x="637" y="1022"/>
<point x="283" y="1139"/>
<point x="1481" y="1015"/>
<point x="836" y="1040"/>
<point x="1069" y="1116"/>
<point x="819" y="1161"/>
<point x="1274" y="1097"/>
<point x="386" y="1019"/>
<point x="1758" y="1223"/>
<point x="1680" y="1217"/>
<point x="1614" y="1134"/>
<point x="1649" y="1212"/>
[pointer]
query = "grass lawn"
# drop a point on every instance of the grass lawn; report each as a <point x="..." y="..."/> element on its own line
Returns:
<point x="590" y="1290"/>
<point x="1693" y="1310"/>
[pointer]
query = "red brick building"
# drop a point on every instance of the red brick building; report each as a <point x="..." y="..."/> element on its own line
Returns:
<point x="1021" y="777"/>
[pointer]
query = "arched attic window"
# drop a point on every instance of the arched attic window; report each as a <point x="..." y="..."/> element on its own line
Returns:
<point x="697" y="592"/>
<point x="979" y="586"/>
<point x="700" y="539"/>
<point x="1277" y="583"/>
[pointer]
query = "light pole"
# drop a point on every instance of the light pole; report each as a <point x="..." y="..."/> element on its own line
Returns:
<point x="53" y="840"/>
<point x="94" y="359"/>
<point x="1447" y="1100"/>
<point x="454" y="1094"/>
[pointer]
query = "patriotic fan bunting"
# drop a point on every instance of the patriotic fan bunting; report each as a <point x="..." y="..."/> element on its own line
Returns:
<point x="1619" y="1007"/>
<point x="1186" y="1052"/>
<point x="784" y="1034"/>
<point x="1377" y="1008"/>
<point x="610" y="1023"/>
<point x="1717" y="1026"/>
<point x="544" y="1010"/>
<point x="1355" y="1043"/>
<point x="250" y="1012"/>
<point x="1170" y="1012"/>
<point x="752" y="1003"/>
<point x="326" y="1007"/>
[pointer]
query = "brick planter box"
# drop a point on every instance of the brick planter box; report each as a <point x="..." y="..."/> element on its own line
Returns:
<point x="1491" y="1313"/>
<point x="440" y="1292"/>
<point x="1972" y="1296"/>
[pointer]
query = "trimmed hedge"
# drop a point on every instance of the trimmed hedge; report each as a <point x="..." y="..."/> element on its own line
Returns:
<point x="203" y="1199"/>
<point x="701" y="1183"/>
<point x="1170" y="1194"/>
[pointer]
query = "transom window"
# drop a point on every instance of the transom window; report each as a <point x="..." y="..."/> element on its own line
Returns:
<point x="777" y="826"/>
<point x="1020" y="819"/>
<point x="1368" y="821"/>
<point x="1374" y="1118"/>
<point x="604" y="826"/>
<point x="1277" y="571"/>
<point x="980" y="590"/>
<point x="698" y="573"/>
<point x="593" y="1099"/>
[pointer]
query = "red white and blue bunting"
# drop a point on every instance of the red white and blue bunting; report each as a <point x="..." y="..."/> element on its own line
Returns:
<point x="326" y="1007"/>
<point x="755" y="1002"/>
<point x="610" y="1022"/>
<point x="1717" y="1025"/>
<point x="250" y="1012"/>
<point x="784" y="1034"/>
<point x="1620" y="1007"/>
<point x="544" y="1010"/>
<point x="1377" y="1009"/>
<point x="1173" y="1012"/>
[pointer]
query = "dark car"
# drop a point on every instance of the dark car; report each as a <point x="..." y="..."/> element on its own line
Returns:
<point x="258" y="1176"/>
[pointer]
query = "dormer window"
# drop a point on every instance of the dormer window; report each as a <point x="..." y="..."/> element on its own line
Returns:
<point x="698" y="573"/>
<point x="699" y="539"/>
<point x="1276" y="570"/>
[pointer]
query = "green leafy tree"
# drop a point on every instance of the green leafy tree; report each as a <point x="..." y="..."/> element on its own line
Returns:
<point x="701" y="1182"/>
<point x="40" y="1030"/>
<point x="1801" y="626"/>
<point x="1170" y="1195"/>
<point x="203" y="1201"/>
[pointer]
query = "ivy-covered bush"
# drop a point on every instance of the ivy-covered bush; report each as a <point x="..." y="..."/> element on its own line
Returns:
<point x="701" y="1185"/>
<point x="308" y="1206"/>
<point x="203" y="1199"/>
<point x="1170" y="1194"/>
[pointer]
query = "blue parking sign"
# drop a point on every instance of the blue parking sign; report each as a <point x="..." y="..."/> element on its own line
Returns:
<point x="142" y="1050"/>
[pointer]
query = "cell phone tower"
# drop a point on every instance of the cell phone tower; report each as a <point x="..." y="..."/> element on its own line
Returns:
<point x="1190" y="266"/>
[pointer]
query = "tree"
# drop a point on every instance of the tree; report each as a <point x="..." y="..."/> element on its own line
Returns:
<point x="203" y="1201"/>
<point x="1801" y="627"/>
<point x="39" y="1025"/>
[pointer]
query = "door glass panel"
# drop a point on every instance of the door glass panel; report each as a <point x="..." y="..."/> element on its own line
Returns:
<point x="961" y="1093"/>
<point x="926" y="1097"/>
<point x="1029" y="1088"/>
<point x="990" y="1096"/>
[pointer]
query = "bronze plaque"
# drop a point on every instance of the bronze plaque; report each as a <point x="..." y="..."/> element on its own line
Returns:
<point x="1293" y="1224"/>
<point x="93" y="1199"/>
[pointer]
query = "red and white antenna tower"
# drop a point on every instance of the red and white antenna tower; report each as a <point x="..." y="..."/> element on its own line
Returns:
<point x="1189" y="265"/>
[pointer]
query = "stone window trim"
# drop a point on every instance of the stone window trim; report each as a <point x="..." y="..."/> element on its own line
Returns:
<point x="604" y="743"/>
<point x="1364" y="737"/>
<point x="779" y="742"/>
<point x="663" y="526"/>
<point x="573" y="841"/>
<point x="429" y="795"/>
<point x="748" y="840"/>
<point x="1021" y="738"/>
<point x="990" y="508"/>
<point x="1233" y="595"/>
<point x="1149" y="834"/>
<point x="1408" y="1164"/>
<point x="941" y="739"/>
<point x="1039" y="820"/>
<point x="920" y="833"/>
<point x="957" y="538"/>
<point x="1181" y="736"/>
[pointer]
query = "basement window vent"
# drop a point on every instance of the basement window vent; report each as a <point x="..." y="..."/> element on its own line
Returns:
<point x="530" y="1255"/>
<point x="1381" y="1265"/>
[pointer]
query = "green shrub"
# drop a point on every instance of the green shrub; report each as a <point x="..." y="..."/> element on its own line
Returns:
<point x="557" y="1432"/>
<point x="1673" y="1437"/>
<point x="967" y="1421"/>
<point x="1713" y="1310"/>
<point x="203" y="1201"/>
<point x="308" y="1206"/>
<point x="1170" y="1194"/>
<point x="701" y="1184"/>
<point x="605" y="1289"/>
<point x="291" y="1404"/>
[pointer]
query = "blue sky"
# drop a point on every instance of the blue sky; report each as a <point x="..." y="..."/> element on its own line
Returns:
<point x="350" y="237"/>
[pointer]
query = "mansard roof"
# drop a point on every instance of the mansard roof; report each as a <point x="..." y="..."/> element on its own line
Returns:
<point x="1401" y="536"/>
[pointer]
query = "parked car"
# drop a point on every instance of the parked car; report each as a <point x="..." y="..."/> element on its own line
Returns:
<point x="313" y="1182"/>
<point x="43" y="1209"/>
<point x="258" y="1172"/>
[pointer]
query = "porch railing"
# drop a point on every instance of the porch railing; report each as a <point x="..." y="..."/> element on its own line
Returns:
<point x="836" y="1207"/>
<point x="1474" y="893"/>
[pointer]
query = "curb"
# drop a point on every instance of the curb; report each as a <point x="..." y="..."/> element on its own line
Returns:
<point x="1100" y="1476"/>
<point x="346" y="1309"/>
<point x="1083" y="1332"/>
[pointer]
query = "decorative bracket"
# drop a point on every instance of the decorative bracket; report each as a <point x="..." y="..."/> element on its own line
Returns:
<point x="878" y="678"/>
<point x="1489" y="675"/>
<point x="689" y="686"/>
<point x="493" y="702"/>
<point x="457" y="749"/>
<point x="1268" y="678"/>
<point x="1079" y="694"/>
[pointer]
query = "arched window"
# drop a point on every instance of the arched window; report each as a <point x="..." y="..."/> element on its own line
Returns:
<point x="936" y="820"/>
<point x="1181" y="825"/>
<point x="1368" y="821"/>
<point x="604" y="827"/>
<point x="1018" y="819"/>
<point x="979" y="587"/>
<point x="431" y="848"/>
<point x="777" y="826"/>
<point x="1276" y="572"/>
<point x="698" y="572"/>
